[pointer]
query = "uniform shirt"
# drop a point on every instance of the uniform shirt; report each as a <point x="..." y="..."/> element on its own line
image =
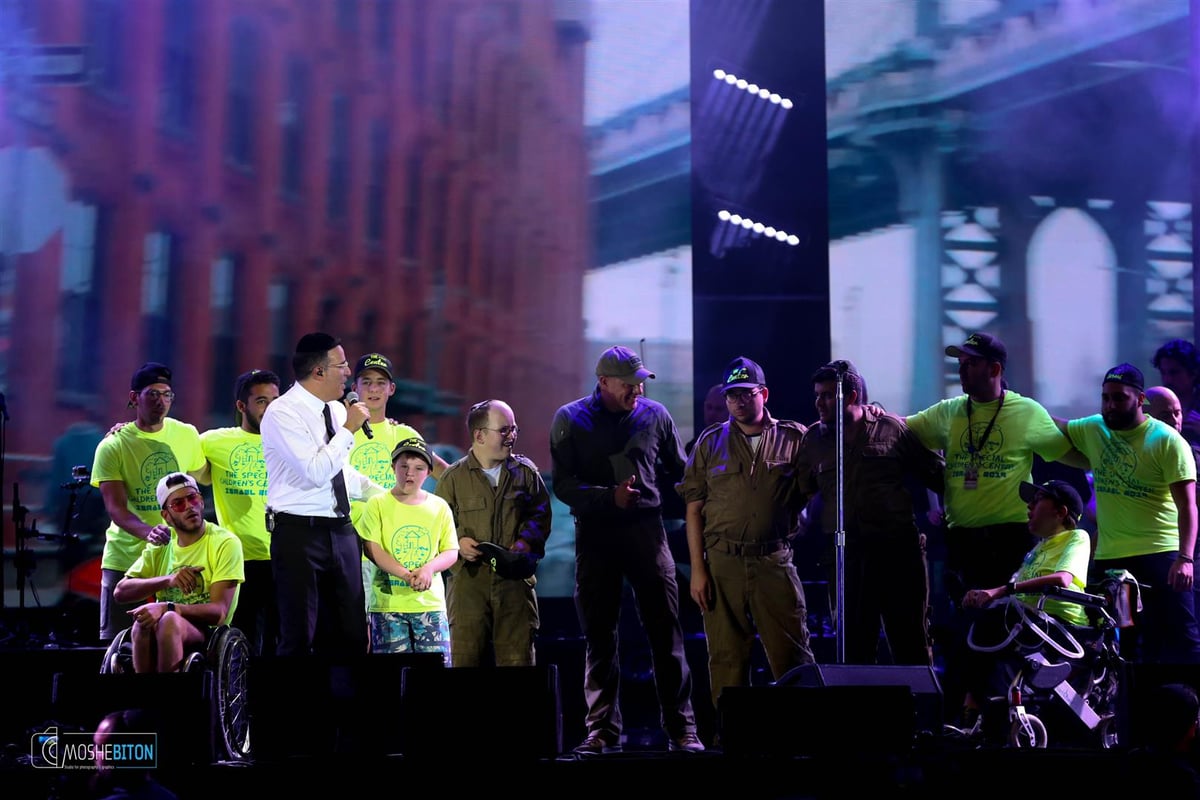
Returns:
<point x="877" y="466"/>
<point x="1022" y="428"/>
<point x="516" y="510"/>
<point x="218" y="551"/>
<point x="300" y="463"/>
<point x="593" y="449"/>
<point x="139" y="459"/>
<point x="1069" y="551"/>
<point x="413" y="535"/>
<point x="373" y="457"/>
<point x="239" y="478"/>
<point x="1133" y="472"/>
<point x="748" y="495"/>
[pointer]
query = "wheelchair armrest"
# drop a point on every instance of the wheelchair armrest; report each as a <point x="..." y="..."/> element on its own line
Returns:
<point x="1079" y="598"/>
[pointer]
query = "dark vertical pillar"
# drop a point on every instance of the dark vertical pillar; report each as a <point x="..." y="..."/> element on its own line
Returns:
<point x="765" y="299"/>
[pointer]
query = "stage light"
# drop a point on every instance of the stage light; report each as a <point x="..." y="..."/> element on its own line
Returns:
<point x="723" y="215"/>
<point x="785" y="103"/>
<point x="747" y="223"/>
<point x="752" y="88"/>
<point x="769" y="232"/>
<point x="759" y="227"/>
<point x="775" y="98"/>
<point x="719" y="74"/>
<point x="731" y="79"/>
<point x="793" y="240"/>
<point x="736" y="219"/>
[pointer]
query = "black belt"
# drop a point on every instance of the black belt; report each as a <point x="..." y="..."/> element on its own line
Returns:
<point x="733" y="548"/>
<point x="311" y="522"/>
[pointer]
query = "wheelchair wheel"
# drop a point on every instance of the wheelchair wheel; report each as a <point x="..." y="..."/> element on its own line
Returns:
<point x="1031" y="733"/>
<point x="1107" y="734"/>
<point x="229" y="657"/>
<point x="118" y="658"/>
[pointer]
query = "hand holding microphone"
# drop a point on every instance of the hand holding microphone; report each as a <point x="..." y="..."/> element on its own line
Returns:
<point x="352" y="399"/>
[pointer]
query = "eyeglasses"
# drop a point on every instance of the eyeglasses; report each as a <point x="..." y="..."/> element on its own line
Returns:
<point x="741" y="395"/>
<point x="342" y="365"/>
<point x="180" y="504"/>
<point x="155" y="394"/>
<point x="506" y="430"/>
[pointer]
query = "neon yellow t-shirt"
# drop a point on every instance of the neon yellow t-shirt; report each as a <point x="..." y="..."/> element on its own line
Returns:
<point x="413" y="534"/>
<point x="373" y="458"/>
<point x="1133" y="471"/>
<point x="139" y="459"/>
<point x="218" y="551"/>
<point x="1022" y="428"/>
<point x="1069" y="551"/>
<point x="239" y="477"/>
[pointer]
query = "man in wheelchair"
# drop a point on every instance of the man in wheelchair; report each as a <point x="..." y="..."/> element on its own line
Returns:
<point x="1012" y="635"/>
<point x="192" y="581"/>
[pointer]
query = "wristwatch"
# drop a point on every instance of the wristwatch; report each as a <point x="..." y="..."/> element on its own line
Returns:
<point x="170" y="606"/>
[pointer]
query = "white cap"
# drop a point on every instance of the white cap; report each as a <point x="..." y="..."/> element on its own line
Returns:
<point x="178" y="481"/>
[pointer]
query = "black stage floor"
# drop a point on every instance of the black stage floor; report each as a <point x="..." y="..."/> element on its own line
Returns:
<point x="389" y="724"/>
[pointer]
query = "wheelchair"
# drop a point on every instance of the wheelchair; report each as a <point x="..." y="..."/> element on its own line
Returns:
<point x="1054" y="671"/>
<point x="226" y="653"/>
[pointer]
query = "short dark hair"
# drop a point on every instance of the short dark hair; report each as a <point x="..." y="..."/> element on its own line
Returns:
<point x="248" y="380"/>
<point x="477" y="416"/>
<point x="1180" y="350"/>
<point x="851" y="380"/>
<point x="311" y="352"/>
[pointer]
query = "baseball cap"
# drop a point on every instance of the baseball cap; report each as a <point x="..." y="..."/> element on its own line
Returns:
<point x="981" y="345"/>
<point x="149" y="373"/>
<point x="412" y="445"/>
<point x="374" y="361"/>
<point x="742" y="373"/>
<point x="1127" y="374"/>
<point x="623" y="363"/>
<point x="508" y="563"/>
<point x="1062" y="492"/>
<point x="178" y="480"/>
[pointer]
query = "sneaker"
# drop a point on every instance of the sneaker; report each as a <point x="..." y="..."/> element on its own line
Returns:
<point x="688" y="743"/>
<point x="596" y="744"/>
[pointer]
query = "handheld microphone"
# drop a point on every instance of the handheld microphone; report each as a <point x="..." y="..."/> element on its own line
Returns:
<point x="352" y="397"/>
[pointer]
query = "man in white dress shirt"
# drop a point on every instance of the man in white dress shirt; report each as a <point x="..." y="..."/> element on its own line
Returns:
<point x="306" y="438"/>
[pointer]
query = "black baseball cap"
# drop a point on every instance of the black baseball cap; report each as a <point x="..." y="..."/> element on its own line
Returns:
<point x="375" y="361"/>
<point x="981" y="345"/>
<point x="742" y="373"/>
<point x="415" y="446"/>
<point x="1127" y="374"/>
<point x="148" y="374"/>
<point x="1062" y="492"/>
<point x="624" y="364"/>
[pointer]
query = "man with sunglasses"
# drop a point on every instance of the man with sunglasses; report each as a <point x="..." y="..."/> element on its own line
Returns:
<point x="502" y="514"/>
<point x="743" y="504"/>
<point x="127" y="467"/>
<point x="193" y="577"/>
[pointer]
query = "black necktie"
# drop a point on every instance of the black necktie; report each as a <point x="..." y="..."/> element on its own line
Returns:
<point x="339" y="478"/>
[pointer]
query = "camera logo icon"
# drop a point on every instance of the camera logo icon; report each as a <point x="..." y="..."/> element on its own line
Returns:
<point x="43" y="749"/>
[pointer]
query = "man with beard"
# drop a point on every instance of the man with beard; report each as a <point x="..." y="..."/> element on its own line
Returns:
<point x="126" y="469"/>
<point x="238" y="475"/>
<point x="1146" y="508"/>
<point x="743" y="501"/>
<point x="886" y="574"/>
<point x="989" y="436"/>
<point x="499" y="501"/>
<point x="194" y="578"/>
<point x="604" y="449"/>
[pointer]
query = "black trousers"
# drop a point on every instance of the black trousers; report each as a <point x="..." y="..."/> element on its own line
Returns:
<point x="318" y="587"/>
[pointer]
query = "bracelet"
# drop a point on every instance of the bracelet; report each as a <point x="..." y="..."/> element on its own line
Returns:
<point x="1185" y="559"/>
<point x="1010" y="587"/>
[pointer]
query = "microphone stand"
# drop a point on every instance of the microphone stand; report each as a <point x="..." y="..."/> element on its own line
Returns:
<point x="839" y="535"/>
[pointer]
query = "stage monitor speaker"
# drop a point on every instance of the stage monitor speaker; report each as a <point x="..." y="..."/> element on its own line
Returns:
<point x="180" y="704"/>
<point x="830" y="721"/>
<point x="521" y="703"/>
<point x="304" y="706"/>
<point x="922" y="682"/>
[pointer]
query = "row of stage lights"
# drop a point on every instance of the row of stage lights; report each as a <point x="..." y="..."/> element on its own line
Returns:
<point x="758" y="228"/>
<point x="752" y="88"/>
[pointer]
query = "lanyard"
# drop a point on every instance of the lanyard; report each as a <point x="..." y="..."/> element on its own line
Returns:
<point x="971" y="448"/>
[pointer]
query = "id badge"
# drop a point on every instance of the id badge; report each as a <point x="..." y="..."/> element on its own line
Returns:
<point x="971" y="478"/>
